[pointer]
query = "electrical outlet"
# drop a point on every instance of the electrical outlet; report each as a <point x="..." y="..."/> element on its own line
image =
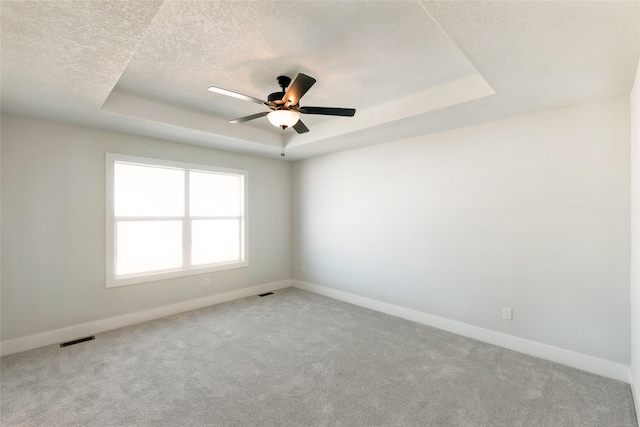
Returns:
<point x="303" y="269"/>
<point x="207" y="281"/>
<point x="507" y="313"/>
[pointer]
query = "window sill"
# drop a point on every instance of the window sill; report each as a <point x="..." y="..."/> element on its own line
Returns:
<point x="163" y="275"/>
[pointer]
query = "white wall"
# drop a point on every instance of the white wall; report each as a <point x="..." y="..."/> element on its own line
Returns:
<point x="635" y="235"/>
<point x="53" y="226"/>
<point x="530" y="212"/>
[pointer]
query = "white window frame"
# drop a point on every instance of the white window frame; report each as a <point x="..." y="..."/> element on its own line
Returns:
<point x="186" y="270"/>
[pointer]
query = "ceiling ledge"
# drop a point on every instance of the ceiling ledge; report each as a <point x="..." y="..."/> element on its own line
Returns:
<point x="445" y="95"/>
<point x="133" y="106"/>
<point x="451" y="93"/>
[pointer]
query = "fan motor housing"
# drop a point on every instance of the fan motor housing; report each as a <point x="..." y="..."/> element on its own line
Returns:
<point x="275" y="96"/>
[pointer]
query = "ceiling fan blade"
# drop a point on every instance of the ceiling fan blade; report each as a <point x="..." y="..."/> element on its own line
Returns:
<point x="299" y="87"/>
<point x="236" y="95"/>
<point x="300" y="127"/>
<point x="327" y="111"/>
<point x="251" y="117"/>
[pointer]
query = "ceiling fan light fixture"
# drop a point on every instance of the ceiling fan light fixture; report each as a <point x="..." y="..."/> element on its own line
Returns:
<point x="286" y="118"/>
<point x="285" y="105"/>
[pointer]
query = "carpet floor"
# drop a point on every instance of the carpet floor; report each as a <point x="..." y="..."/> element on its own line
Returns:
<point x="298" y="359"/>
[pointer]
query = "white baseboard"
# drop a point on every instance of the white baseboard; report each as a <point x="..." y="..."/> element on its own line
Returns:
<point x="634" y="391"/>
<point x="570" y="358"/>
<point x="584" y="362"/>
<point x="91" y="328"/>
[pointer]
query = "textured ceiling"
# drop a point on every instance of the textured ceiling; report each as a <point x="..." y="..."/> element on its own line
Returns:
<point x="59" y="54"/>
<point x="362" y="53"/>
<point x="408" y="67"/>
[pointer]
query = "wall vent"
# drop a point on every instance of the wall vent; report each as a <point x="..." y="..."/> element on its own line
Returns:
<point x="78" y="341"/>
<point x="264" y="295"/>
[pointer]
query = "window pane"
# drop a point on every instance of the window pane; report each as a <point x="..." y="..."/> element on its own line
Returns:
<point x="148" y="191"/>
<point x="214" y="194"/>
<point x="214" y="241"/>
<point x="144" y="246"/>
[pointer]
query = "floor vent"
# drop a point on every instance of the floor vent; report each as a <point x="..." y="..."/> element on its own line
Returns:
<point x="66" y="344"/>
<point x="264" y="295"/>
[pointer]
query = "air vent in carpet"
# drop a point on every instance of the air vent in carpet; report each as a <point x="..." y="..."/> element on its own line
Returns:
<point x="78" y="341"/>
<point x="264" y="295"/>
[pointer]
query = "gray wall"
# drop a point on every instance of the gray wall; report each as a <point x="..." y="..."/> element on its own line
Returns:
<point x="635" y="236"/>
<point x="530" y="212"/>
<point x="53" y="226"/>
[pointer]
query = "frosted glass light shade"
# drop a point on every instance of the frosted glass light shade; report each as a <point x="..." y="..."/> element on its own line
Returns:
<point x="281" y="118"/>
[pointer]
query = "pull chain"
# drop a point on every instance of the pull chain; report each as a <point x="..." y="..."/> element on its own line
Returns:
<point x="282" y="142"/>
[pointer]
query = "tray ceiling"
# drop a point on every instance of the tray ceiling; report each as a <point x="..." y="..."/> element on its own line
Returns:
<point x="408" y="67"/>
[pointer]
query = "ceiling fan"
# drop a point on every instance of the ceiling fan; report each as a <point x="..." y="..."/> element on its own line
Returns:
<point x="285" y="106"/>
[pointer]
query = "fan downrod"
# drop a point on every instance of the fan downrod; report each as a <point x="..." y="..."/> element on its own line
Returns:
<point x="284" y="81"/>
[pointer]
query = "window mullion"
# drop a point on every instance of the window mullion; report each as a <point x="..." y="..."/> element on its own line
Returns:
<point x="148" y="218"/>
<point x="216" y="217"/>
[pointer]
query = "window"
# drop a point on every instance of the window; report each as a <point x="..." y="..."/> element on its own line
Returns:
<point x="169" y="219"/>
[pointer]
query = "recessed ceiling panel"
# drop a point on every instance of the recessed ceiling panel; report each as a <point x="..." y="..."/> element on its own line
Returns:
<point x="362" y="54"/>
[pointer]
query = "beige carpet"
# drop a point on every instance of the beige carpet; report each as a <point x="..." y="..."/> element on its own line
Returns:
<point x="298" y="359"/>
